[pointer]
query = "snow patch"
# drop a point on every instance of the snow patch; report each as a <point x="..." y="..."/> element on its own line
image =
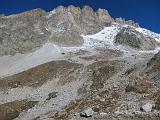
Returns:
<point x="149" y="33"/>
<point x="101" y="39"/>
<point x="51" y="13"/>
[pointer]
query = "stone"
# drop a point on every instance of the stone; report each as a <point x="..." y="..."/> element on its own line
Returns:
<point x="147" y="107"/>
<point x="52" y="95"/>
<point x="87" y="113"/>
<point x="14" y="84"/>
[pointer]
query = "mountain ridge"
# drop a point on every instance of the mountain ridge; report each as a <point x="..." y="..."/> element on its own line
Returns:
<point x="32" y="28"/>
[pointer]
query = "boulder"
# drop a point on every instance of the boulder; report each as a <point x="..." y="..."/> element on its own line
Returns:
<point x="87" y="113"/>
<point x="147" y="107"/>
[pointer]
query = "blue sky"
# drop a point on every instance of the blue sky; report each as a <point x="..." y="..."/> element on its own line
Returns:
<point x="145" y="12"/>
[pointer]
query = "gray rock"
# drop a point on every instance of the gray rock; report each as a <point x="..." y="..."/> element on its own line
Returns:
<point x="127" y="22"/>
<point x="153" y="69"/>
<point x="134" y="39"/>
<point x="87" y="113"/>
<point x="147" y="107"/>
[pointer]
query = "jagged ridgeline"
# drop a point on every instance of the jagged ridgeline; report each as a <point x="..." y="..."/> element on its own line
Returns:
<point x="64" y="26"/>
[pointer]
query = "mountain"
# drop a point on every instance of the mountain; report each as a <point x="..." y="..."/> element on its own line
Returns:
<point x="72" y="63"/>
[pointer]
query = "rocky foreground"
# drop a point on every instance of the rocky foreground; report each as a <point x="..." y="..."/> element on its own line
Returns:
<point x="77" y="64"/>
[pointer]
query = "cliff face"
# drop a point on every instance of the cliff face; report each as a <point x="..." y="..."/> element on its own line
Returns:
<point x="21" y="33"/>
<point x="134" y="39"/>
<point x="26" y="31"/>
<point x="153" y="69"/>
<point x="128" y="22"/>
<point x="64" y="26"/>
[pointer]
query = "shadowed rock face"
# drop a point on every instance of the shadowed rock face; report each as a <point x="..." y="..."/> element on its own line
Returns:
<point x="26" y="31"/>
<point x="134" y="39"/>
<point x="153" y="69"/>
<point x="155" y="61"/>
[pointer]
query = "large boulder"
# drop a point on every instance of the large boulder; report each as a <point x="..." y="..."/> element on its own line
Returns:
<point x="87" y="113"/>
<point x="148" y="106"/>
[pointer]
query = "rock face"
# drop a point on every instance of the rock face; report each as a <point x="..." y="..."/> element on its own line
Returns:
<point x="128" y="22"/>
<point x="26" y="31"/>
<point x="21" y="33"/>
<point x="154" y="61"/>
<point x="134" y="39"/>
<point x="153" y="69"/>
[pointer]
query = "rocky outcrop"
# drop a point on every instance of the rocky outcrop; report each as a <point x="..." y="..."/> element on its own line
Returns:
<point x="127" y="22"/>
<point x="23" y="32"/>
<point x="134" y="39"/>
<point x="92" y="21"/>
<point x="67" y="24"/>
<point x="153" y="69"/>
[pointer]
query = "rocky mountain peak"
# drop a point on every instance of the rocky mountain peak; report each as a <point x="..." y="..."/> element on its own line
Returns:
<point x="63" y="26"/>
<point x="74" y="10"/>
<point x="60" y="9"/>
<point x="124" y="21"/>
<point x="87" y="9"/>
<point x="104" y="16"/>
